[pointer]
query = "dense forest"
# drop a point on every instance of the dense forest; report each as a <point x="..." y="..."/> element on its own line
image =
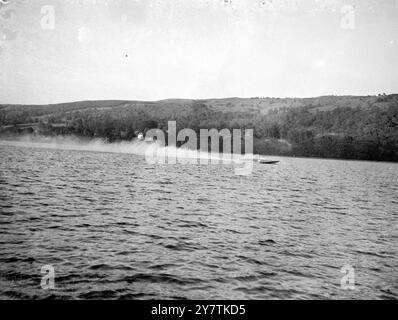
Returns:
<point x="345" y="127"/>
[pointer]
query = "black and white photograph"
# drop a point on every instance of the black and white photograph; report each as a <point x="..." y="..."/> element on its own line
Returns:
<point x="198" y="150"/>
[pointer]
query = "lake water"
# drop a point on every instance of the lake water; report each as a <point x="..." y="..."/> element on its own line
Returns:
<point x="114" y="226"/>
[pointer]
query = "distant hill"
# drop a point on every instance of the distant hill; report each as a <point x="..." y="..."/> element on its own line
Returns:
<point x="352" y="127"/>
<point x="169" y="107"/>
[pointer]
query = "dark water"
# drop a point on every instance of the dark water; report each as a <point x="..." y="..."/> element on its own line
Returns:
<point x="114" y="226"/>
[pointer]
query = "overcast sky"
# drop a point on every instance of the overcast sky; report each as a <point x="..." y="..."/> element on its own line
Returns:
<point x="158" y="49"/>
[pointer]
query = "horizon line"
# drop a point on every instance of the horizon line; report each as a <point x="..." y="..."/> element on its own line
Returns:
<point x="198" y="99"/>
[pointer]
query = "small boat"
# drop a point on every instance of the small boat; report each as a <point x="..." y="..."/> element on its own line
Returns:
<point x="264" y="161"/>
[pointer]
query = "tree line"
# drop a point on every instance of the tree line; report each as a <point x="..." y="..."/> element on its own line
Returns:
<point x="367" y="133"/>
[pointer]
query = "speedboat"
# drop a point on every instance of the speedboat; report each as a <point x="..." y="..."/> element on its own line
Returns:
<point x="264" y="161"/>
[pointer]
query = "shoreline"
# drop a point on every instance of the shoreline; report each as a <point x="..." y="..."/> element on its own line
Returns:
<point x="85" y="142"/>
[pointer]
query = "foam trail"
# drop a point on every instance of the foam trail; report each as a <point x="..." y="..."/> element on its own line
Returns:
<point x="136" y="147"/>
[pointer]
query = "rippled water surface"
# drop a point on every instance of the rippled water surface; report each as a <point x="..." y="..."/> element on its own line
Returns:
<point x="114" y="226"/>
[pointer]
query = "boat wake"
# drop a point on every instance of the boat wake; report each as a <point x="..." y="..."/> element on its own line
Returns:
<point x="153" y="151"/>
